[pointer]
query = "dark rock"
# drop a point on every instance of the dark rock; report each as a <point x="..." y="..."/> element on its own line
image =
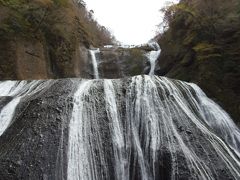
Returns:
<point x="4" y="100"/>
<point x="119" y="63"/>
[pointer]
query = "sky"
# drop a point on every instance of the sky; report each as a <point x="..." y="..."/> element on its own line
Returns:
<point x="132" y="22"/>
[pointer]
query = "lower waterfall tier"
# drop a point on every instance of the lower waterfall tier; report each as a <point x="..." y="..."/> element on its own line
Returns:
<point x="144" y="127"/>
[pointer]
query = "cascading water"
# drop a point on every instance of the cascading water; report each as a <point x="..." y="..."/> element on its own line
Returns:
<point x="144" y="127"/>
<point x="94" y="62"/>
<point x="153" y="56"/>
<point x="16" y="90"/>
<point x="217" y="119"/>
<point x="148" y="128"/>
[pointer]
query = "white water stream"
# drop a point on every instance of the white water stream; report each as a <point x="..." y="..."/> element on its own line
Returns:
<point x="127" y="136"/>
<point x="144" y="127"/>
<point x="94" y="62"/>
<point x="16" y="90"/>
<point x="153" y="56"/>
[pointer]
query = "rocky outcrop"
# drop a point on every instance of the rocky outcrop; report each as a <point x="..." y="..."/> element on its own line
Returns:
<point x="117" y="62"/>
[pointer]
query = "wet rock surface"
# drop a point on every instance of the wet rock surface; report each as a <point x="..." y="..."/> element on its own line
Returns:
<point x="133" y="128"/>
<point x="34" y="146"/>
<point x="4" y="100"/>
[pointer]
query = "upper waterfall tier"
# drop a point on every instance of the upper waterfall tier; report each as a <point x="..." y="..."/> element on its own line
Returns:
<point x="144" y="127"/>
<point x="153" y="56"/>
<point x="118" y="61"/>
<point x="95" y="63"/>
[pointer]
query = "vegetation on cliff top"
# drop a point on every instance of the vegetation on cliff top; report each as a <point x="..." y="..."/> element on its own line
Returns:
<point x="201" y="43"/>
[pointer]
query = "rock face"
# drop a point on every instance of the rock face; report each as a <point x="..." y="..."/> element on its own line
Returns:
<point x="117" y="62"/>
<point x="42" y="132"/>
<point x="144" y="127"/>
<point x="30" y="60"/>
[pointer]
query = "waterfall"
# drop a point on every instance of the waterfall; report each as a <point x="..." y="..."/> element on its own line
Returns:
<point x="143" y="127"/>
<point x="94" y="62"/>
<point x="16" y="90"/>
<point x="7" y="113"/>
<point x="149" y="127"/>
<point x="153" y="56"/>
<point x="216" y="118"/>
